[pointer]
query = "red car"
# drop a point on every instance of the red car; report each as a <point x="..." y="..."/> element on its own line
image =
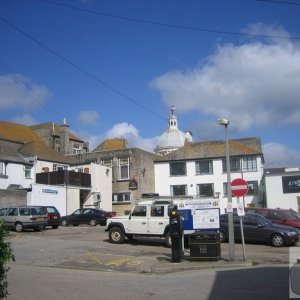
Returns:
<point x="278" y="216"/>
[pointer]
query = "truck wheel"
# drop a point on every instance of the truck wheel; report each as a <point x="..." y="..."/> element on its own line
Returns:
<point x="168" y="240"/>
<point x="116" y="235"/>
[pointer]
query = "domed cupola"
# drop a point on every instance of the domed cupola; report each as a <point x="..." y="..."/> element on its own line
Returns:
<point x="172" y="138"/>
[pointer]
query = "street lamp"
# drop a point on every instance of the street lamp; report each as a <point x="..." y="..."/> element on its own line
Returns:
<point x="225" y="123"/>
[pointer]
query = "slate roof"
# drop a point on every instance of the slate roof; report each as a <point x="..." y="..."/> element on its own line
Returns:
<point x="51" y="126"/>
<point x="30" y="143"/>
<point x="215" y="149"/>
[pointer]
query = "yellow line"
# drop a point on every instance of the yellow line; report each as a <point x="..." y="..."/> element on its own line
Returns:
<point x="95" y="258"/>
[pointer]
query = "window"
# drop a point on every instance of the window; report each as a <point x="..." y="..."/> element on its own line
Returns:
<point x="157" y="211"/>
<point x="77" y="149"/>
<point x="139" y="211"/>
<point x="178" y="190"/>
<point x="57" y="167"/>
<point x="235" y="164"/>
<point x="204" y="166"/>
<point x="123" y="168"/>
<point x="205" y="189"/>
<point x="177" y="168"/>
<point x="2" y="168"/>
<point x="106" y="162"/>
<point x="27" y="170"/>
<point x="249" y="164"/>
<point x="121" y="197"/>
<point x="253" y="188"/>
<point x="225" y="189"/>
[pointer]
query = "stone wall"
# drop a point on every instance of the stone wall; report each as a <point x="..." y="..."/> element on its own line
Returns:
<point x="9" y="198"/>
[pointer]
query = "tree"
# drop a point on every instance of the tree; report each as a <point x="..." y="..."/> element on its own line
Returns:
<point x="6" y="255"/>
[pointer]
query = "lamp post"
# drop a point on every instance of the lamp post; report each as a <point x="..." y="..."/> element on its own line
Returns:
<point x="225" y="123"/>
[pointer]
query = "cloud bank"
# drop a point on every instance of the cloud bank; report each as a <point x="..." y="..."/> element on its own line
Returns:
<point x="254" y="84"/>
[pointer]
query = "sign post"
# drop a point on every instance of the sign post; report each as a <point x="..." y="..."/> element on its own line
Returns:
<point x="239" y="188"/>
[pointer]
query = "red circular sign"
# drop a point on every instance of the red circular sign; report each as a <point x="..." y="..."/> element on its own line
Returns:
<point x="239" y="187"/>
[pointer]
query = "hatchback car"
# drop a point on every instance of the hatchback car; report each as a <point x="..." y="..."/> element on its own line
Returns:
<point x="258" y="229"/>
<point x="53" y="216"/>
<point x="25" y="217"/>
<point x="89" y="216"/>
<point x="278" y="216"/>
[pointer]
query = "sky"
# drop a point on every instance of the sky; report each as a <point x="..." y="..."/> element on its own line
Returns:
<point x="114" y="69"/>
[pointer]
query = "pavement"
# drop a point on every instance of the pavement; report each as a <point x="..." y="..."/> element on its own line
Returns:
<point x="150" y="263"/>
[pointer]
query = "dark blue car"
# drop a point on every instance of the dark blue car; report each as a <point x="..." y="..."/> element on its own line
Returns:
<point x="258" y="229"/>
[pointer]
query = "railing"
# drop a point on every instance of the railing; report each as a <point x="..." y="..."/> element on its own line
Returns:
<point x="64" y="177"/>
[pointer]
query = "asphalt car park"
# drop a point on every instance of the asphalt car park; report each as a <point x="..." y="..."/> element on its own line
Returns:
<point x="86" y="247"/>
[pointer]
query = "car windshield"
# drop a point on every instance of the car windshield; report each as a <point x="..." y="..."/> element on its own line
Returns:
<point x="262" y="220"/>
<point x="289" y="215"/>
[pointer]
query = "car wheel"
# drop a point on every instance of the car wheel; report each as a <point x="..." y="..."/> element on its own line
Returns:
<point x="54" y="226"/>
<point x="116" y="235"/>
<point x="277" y="240"/>
<point x="37" y="229"/>
<point x="64" y="223"/>
<point x="168" y="240"/>
<point x="223" y="237"/>
<point x="93" y="222"/>
<point x="19" y="227"/>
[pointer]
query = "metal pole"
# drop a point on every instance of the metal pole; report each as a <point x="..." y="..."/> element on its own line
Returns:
<point x="242" y="232"/>
<point x="229" y="197"/>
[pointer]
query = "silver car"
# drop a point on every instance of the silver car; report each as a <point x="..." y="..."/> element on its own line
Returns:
<point x="25" y="217"/>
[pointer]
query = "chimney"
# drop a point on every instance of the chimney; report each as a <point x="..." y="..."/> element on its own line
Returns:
<point x="64" y="137"/>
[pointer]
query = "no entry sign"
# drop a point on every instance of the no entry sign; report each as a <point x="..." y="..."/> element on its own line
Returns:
<point x="239" y="187"/>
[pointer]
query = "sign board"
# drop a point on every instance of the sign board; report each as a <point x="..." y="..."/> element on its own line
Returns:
<point x="240" y="210"/>
<point x="239" y="187"/>
<point x="199" y="213"/>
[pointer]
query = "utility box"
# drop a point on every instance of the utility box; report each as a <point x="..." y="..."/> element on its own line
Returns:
<point x="205" y="245"/>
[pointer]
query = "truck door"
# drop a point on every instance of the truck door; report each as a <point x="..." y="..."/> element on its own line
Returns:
<point x="138" y="220"/>
<point x="157" y="220"/>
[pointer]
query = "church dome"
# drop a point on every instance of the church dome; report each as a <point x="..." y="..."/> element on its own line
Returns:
<point x="172" y="138"/>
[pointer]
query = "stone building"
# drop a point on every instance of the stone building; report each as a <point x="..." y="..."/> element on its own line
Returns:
<point x="60" y="138"/>
<point x="132" y="171"/>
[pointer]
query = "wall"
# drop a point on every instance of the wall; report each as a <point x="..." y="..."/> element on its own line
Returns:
<point x="48" y="195"/>
<point x="73" y="200"/>
<point x="9" y="198"/>
<point x="15" y="175"/>
<point x="274" y="194"/>
<point x="163" y="181"/>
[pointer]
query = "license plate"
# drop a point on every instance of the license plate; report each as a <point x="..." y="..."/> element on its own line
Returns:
<point x="55" y="217"/>
<point x="40" y="219"/>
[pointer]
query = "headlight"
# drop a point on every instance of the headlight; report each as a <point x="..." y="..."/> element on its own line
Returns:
<point x="291" y="233"/>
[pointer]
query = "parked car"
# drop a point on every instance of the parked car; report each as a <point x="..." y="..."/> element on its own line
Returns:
<point x="278" y="216"/>
<point x="25" y="217"/>
<point x="53" y="216"/>
<point x="258" y="229"/>
<point x="90" y="216"/>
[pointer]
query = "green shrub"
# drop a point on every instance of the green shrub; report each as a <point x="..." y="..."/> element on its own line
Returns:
<point x="6" y="255"/>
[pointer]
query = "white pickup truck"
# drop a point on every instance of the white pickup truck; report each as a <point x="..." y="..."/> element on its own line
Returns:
<point x="144" y="220"/>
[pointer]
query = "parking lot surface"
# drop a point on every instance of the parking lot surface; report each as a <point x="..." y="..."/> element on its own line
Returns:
<point x="88" y="248"/>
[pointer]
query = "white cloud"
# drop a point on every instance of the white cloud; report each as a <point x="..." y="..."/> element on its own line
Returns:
<point x="121" y="130"/>
<point x="278" y="155"/>
<point x="20" y="93"/>
<point x="24" y="119"/>
<point x="253" y="85"/>
<point x="88" y="117"/>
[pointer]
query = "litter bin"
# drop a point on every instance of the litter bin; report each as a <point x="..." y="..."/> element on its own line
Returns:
<point x="205" y="245"/>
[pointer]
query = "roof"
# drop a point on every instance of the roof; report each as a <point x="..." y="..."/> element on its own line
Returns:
<point x="215" y="149"/>
<point x="31" y="143"/>
<point x="112" y="144"/>
<point x="281" y="171"/>
<point x="55" y="130"/>
<point x="9" y="152"/>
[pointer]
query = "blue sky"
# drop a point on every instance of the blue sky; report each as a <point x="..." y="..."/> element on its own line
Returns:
<point x="114" y="69"/>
